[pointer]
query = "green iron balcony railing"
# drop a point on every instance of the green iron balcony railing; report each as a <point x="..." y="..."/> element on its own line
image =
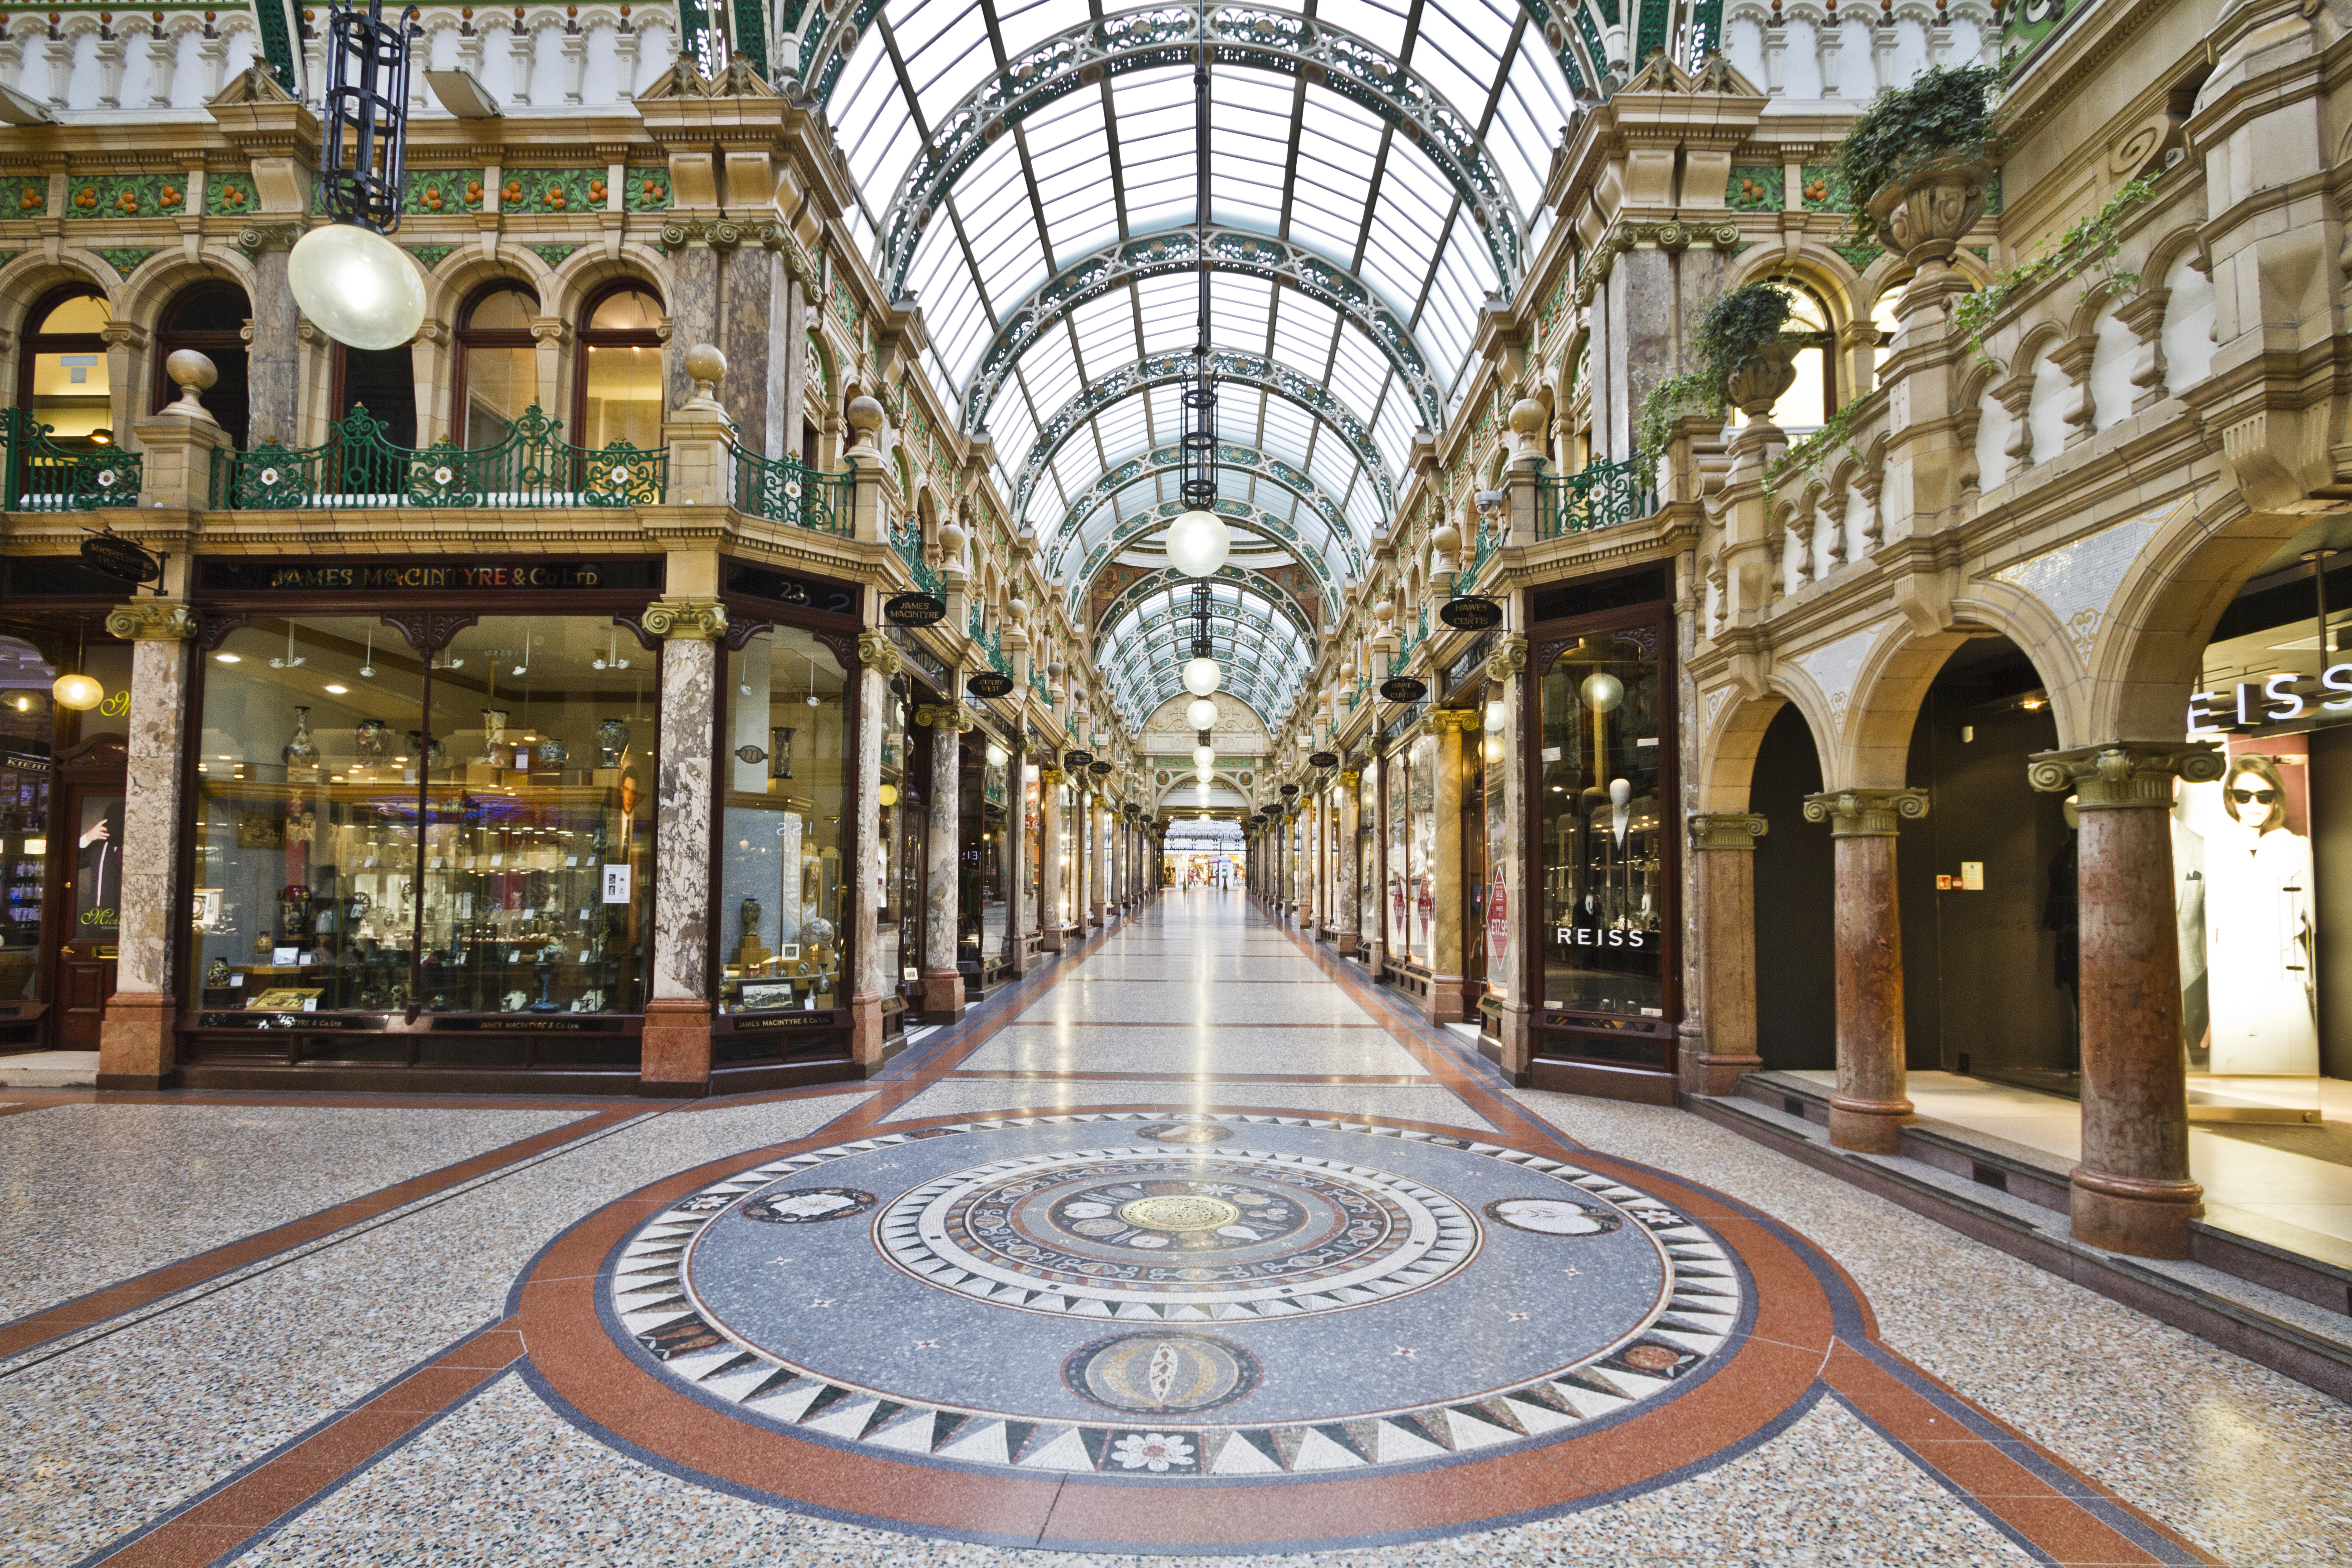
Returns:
<point x="907" y="541"/>
<point x="357" y="467"/>
<point x="1597" y="496"/>
<point x="1489" y="540"/>
<point x="785" y="489"/>
<point x="45" y="474"/>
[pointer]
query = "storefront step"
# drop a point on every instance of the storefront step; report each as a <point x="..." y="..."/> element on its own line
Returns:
<point x="367" y="1079"/>
<point x="2305" y="1334"/>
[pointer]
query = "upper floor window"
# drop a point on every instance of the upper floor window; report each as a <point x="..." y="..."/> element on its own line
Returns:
<point x="617" y="388"/>
<point x="497" y="363"/>
<point x="210" y="318"/>
<point x="61" y="373"/>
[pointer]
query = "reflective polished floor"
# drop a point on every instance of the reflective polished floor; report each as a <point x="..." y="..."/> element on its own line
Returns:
<point x="1189" y="1243"/>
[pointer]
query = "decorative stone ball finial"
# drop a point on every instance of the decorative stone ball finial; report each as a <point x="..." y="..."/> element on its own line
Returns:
<point x="1528" y="417"/>
<point x="1017" y="610"/>
<point x="865" y="416"/>
<point x="706" y="367"/>
<point x="952" y="539"/>
<point x="192" y="372"/>
<point x="1444" y="539"/>
<point x="1384" y="612"/>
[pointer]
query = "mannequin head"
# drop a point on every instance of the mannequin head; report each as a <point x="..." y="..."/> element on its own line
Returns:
<point x="2254" y="793"/>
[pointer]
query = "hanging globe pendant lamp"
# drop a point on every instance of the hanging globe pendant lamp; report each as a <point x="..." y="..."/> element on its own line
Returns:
<point x="1197" y="543"/>
<point x="351" y="281"/>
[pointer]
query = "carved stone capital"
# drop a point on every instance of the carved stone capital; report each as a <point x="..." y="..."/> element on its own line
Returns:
<point x="875" y="651"/>
<point x="1864" y="813"/>
<point x="2123" y="775"/>
<point x="703" y="620"/>
<point x="944" y="716"/>
<point x="255" y="237"/>
<point x="1049" y="777"/>
<point x="1725" y="830"/>
<point x="1510" y="658"/>
<point x="1454" y="721"/>
<point x="1351" y="777"/>
<point x="151" y="620"/>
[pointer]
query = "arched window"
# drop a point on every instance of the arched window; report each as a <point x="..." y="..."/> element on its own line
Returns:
<point x="497" y="363"/>
<point x="61" y="373"/>
<point x="1813" y="396"/>
<point x="616" y="392"/>
<point x="210" y="318"/>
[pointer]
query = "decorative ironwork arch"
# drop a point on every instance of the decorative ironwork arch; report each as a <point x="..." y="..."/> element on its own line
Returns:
<point x="1158" y="37"/>
<point x="1144" y="672"/>
<point x="1231" y="456"/>
<point x="1240" y="514"/>
<point x="1177" y="369"/>
<point x="1229" y="250"/>
<point x="1168" y="577"/>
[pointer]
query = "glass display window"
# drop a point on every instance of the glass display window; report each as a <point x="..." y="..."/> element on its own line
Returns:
<point x="1601" y="831"/>
<point x="1032" y="839"/>
<point x="893" y="955"/>
<point x="1368" y="886"/>
<point x="523" y="751"/>
<point x="497" y="363"/>
<point x="1070" y="830"/>
<point x="618" y="395"/>
<point x="27" y="726"/>
<point x="914" y="822"/>
<point x="782" y="916"/>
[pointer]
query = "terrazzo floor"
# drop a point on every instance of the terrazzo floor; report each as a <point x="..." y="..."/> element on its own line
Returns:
<point x="436" y="1380"/>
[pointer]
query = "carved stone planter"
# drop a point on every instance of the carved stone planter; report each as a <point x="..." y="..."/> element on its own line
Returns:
<point x="1925" y="213"/>
<point x="1761" y="378"/>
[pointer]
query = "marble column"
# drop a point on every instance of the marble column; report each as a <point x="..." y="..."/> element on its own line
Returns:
<point x="755" y="346"/>
<point x="1453" y="727"/>
<point x="1049" y="858"/>
<point x="1082" y="861"/>
<point x="676" y="1046"/>
<point x="1347" y="906"/>
<point x="273" y="362"/>
<point x="1016" y="862"/>
<point x="1723" y="852"/>
<point x="878" y="662"/>
<point x="136" y="1044"/>
<point x="693" y="300"/>
<point x="2132" y="1191"/>
<point x="1868" y="1110"/>
<point x="1098" y="863"/>
<point x="942" y="983"/>
<point x="1511" y="876"/>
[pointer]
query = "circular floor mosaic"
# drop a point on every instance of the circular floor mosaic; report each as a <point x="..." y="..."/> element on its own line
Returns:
<point x="1173" y="1299"/>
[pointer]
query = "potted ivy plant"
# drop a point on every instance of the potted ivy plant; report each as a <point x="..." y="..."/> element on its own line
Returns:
<point x="1919" y="159"/>
<point x="1745" y="357"/>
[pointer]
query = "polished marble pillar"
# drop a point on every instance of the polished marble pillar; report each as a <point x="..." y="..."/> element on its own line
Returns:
<point x="675" y="1046"/>
<point x="1451" y="726"/>
<point x="1017" y="895"/>
<point x="136" y="1044"/>
<point x="1869" y="1107"/>
<point x="942" y="848"/>
<point x="1511" y="871"/>
<point x="1347" y="911"/>
<point x="1723" y="855"/>
<point x="2132" y="1191"/>
<point x="878" y="662"/>
<point x="273" y="358"/>
<point x="1049" y="858"/>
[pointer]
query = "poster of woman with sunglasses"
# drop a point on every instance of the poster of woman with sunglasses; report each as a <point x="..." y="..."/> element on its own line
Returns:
<point x="2258" y="919"/>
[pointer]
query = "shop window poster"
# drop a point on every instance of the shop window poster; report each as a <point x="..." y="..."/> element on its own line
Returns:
<point x="2247" y="915"/>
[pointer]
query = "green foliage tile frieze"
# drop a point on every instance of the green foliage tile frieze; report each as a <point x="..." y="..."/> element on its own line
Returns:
<point x="431" y="256"/>
<point x="231" y="195"/>
<point x="646" y="190"/>
<point x="24" y="196"/>
<point x="124" y="262"/>
<point x="1753" y="189"/>
<point x="432" y="192"/>
<point x="1824" y="189"/>
<point x="553" y="255"/>
<point x="549" y="191"/>
<point x="118" y="196"/>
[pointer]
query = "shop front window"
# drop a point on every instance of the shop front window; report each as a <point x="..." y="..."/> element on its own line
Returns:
<point x="1398" y="898"/>
<point x="889" y="939"/>
<point x="619" y="378"/>
<point x="1420" y="845"/>
<point x="498" y="364"/>
<point x="1031" y="827"/>
<point x="326" y="741"/>
<point x="1070" y="830"/>
<point x="782" y="911"/>
<point x="1602" y="839"/>
<point x="63" y="377"/>
<point x="27" y="722"/>
<point x="1367" y="888"/>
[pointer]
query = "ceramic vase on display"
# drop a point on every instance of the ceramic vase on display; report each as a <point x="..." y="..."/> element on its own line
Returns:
<point x="612" y="739"/>
<point x="373" y="739"/>
<point x="299" y="753"/>
<point x="779" y="756"/>
<point x="494" y="735"/>
<point x="435" y="755"/>
<point x="552" y="751"/>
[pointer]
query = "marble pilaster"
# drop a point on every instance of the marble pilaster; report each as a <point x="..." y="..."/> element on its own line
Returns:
<point x="693" y="299"/>
<point x="878" y="662"/>
<point x="1347" y="897"/>
<point x="676" y="1048"/>
<point x="1453" y="727"/>
<point x="1868" y="1110"/>
<point x="135" y="1048"/>
<point x="2131" y="1192"/>
<point x="1049" y="859"/>
<point x="755" y="343"/>
<point x="1016" y="857"/>
<point x="273" y="362"/>
<point x="943" y="983"/>
<point x="1723" y="852"/>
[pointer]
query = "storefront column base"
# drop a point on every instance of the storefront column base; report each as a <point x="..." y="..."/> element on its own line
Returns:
<point x="675" y="1051"/>
<point x="1708" y="1073"/>
<point x="1346" y="942"/>
<point x="1443" y="1004"/>
<point x="2136" y="1218"/>
<point x="1516" y="1043"/>
<point x="1051" y="941"/>
<point x="865" y="1032"/>
<point x="943" y="997"/>
<point x="1868" y="1126"/>
<point x="136" y="1046"/>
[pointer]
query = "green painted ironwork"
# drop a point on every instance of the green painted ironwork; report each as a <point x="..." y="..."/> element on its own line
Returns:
<point x="1597" y="496"/>
<point x="532" y="466"/>
<point x="908" y="542"/>
<point x="1489" y="540"/>
<point x="46" y="474"/>
<point x="785" y="489"/>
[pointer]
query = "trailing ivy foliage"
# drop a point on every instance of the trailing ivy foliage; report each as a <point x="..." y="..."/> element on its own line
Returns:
<point x="1946" y="113"/>
<point x="1812" y="454"/>
<point x="1734" y="330"/>
<point x="2090" y="246"/>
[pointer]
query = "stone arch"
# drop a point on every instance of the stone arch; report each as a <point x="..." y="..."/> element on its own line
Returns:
<point x="1891" y="683"/>
<point x="150" y="291"/>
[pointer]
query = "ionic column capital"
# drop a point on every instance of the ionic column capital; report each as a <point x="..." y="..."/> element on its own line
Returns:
<point x="1048" y="776"/>
<point x="1455" y="720"/>
<point x="1864" y="813"/>
<point x="2123" y="774"/>
<point x="1510" y="658"/>
<point x="944" y="716"/>
<point x="695" y="620"/>
<point x="875" y="651"/>
<point x="1725" y="830"/>
<point x="151" y="620"/>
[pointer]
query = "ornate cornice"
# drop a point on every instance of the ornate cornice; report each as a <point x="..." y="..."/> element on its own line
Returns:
<point x="701" y="620"/>
<point x="1864" y="813"/>
<point x="2123" y="775"/>
<point x="153" y="620"/>
<point x="1725" y="830"/>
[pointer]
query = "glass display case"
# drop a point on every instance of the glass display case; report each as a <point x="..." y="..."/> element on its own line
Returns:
<point x="467" y="832"/>
<point x="782" y="914"/>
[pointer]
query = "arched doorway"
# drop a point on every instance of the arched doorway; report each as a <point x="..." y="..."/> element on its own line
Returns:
<point x="209" y="318"/>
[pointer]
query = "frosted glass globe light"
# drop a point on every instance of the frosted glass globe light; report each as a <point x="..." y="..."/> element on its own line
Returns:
<point x="1202" y="675"/>
<point x="78" y="692"/>
<point x="356" y="286"/>
<point x="1202" y="713"/>
<point x="1197" y="543"/>
<point x="1204" y="756"/>
<point x="1205" y="774"/>
<point x="1603" y="692"/>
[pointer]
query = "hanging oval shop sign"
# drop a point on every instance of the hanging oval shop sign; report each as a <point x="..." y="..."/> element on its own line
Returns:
<point x="988" y="683"/>
<point x="914" y="609"/>
<point x="119" y="557"/>
<point x="1322" y="759"/>
<point x="1289" y="790"/>
<point x="1074" y="761"/>
<point x="1471" y="613"/>
<point x="1403" y="689"/>
<point x="1099" y="769"/>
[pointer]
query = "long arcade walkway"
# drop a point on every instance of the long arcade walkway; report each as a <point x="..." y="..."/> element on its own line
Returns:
<point x="1190" y="1242"/>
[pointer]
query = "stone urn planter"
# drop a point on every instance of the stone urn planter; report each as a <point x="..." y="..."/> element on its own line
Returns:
<point x="1925" y="213"/>
<point x="1766" y="373"/>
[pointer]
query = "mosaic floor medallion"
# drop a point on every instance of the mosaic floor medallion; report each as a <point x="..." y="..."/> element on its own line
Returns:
<point x="1173" y="1299"/>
